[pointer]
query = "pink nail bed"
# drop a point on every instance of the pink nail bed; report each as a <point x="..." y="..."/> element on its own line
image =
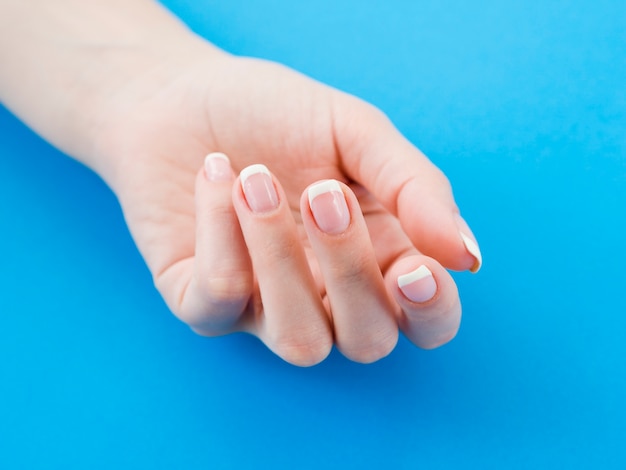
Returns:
<point x="419" y="285"/>
<point x="258" y="188"/>
<point x="217" y="167"/>
<point x="329" y="207"/>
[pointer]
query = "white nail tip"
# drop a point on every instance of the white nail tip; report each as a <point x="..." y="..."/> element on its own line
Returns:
<point x="473" y="249"/>
<point x="253" y="170"/>
<point x="216" y="155"/>
<point x="419" y="273"/>
<point x="322" y="187"/>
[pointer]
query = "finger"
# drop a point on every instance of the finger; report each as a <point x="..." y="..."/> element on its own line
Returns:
<point x="362" y="311"/>
<point x="222" y="280"/>
<point x="376" y="155"/>
<point x="428" y="297"/>
<point x="291" y="318"/>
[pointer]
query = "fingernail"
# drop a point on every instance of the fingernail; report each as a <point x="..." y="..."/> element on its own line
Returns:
<point x="217" y="167"/>
<point x="258" y="188"/>
<point x="471" y="245"/>
<point x="419" y="285"/>
<point x="329" y="207"/>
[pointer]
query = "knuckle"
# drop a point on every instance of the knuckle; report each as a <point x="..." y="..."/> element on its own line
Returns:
<point x="221" y="212"/>
<point x="350" y="268"/>
<point x="356" y="119"/>
<point x="441" y="181"/>
<point x="283" y="248"/>
<point x="303" y="350"/>
<point x="211" y="305"/>
<point x="367" y="352"/>
<point x="226" y="288"/>
<point x="367" y="109"/>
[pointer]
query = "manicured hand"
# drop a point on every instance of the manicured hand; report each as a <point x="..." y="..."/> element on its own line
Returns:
<point x="337" y="231"/>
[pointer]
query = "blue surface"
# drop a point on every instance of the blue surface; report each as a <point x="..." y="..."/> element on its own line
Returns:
<point x="523" y="106"/>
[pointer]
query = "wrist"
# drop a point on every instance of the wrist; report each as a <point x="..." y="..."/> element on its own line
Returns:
<point x="66" y="63"/>
<point x="125" y="84"/>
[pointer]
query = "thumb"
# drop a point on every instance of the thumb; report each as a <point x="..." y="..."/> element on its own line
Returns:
<point x="376" y="155"/>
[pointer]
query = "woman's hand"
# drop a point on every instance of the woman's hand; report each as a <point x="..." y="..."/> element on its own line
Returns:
<point x="299" y="268"/>
<point x="341" y="237"/>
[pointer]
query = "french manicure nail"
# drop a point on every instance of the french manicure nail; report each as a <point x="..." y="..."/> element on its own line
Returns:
<point x="217" y="167"/>
<point x="471" y="245"/>
<point x="473" y="249"/>
<point x="329" y="207"/>
<point x="258" y="188"/>
<point x="419" y="285"/>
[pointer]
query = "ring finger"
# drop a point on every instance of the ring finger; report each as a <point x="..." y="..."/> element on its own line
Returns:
<point x="362" y="312"/>
<point x="290" y="317"/>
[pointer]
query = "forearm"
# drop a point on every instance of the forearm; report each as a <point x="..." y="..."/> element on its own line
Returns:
<point x="60" y="61"/>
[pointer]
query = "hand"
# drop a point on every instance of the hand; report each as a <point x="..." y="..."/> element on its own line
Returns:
<point x="223" y="264"/>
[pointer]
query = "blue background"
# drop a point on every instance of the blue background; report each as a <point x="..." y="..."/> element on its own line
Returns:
<point x="522" y="104"/>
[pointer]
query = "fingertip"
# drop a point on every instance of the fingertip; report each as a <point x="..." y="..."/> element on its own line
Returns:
<point x="327" y="202"/>
<point x="429" y="301"/>
<point x="470" y="243"/>
<point x="441" y="233"/>
<point x="260" y="190"/>
<point x="418" y="285"/>
<point x="213" y="183"/>
<point x="217" y="167"/>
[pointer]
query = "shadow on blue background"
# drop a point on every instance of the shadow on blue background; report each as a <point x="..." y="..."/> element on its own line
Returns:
<point x="523" y="106"/>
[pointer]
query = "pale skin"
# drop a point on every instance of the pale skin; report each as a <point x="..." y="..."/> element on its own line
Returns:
<point x="132" y="93"/>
